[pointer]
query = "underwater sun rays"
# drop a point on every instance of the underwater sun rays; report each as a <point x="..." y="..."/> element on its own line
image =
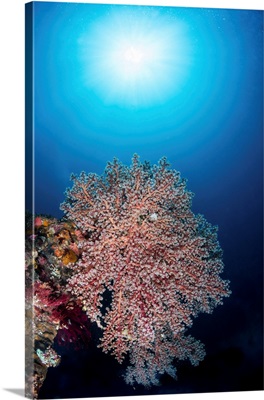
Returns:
<point x="135" y="57"/>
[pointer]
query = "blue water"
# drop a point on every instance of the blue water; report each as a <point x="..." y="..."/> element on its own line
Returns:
<point x="198" y="100"/>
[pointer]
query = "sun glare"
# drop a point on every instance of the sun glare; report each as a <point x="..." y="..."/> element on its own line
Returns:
<point x="135" y="59"/>
<point x="133" y="55"/>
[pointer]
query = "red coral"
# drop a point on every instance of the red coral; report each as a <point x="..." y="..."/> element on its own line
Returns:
<point x="47" y="302"/>
<point x="58" y="308"/>
<point x="161" y="263"/>
<point x="74" y="327"/>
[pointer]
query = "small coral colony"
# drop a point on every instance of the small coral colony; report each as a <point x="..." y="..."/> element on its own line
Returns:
<point x="129" y="236"/>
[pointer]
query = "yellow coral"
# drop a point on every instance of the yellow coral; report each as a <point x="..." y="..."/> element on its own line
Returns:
<point x="46" y="222"/>
<point x="69" y="257"/>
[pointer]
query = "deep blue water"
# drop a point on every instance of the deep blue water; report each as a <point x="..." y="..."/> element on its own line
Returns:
<point x="194" y="93"/>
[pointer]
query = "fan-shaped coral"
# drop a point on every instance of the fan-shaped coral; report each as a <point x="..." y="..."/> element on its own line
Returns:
<point x="161" y="263"/>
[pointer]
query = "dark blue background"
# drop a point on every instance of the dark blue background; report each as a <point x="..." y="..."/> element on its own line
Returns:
<point x="211" y="131"/>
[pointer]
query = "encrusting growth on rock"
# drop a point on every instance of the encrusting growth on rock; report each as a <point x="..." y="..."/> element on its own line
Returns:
<point x="51" y="314"/>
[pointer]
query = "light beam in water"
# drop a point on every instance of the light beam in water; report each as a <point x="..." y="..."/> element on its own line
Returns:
<point x="135" y="58"/>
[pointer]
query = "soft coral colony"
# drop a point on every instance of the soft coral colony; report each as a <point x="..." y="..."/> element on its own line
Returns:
<point x="129" y="236"/>
<point x="141" y="242"/>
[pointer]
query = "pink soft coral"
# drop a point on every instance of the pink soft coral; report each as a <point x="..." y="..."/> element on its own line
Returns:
<point x="161" y="263"/>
